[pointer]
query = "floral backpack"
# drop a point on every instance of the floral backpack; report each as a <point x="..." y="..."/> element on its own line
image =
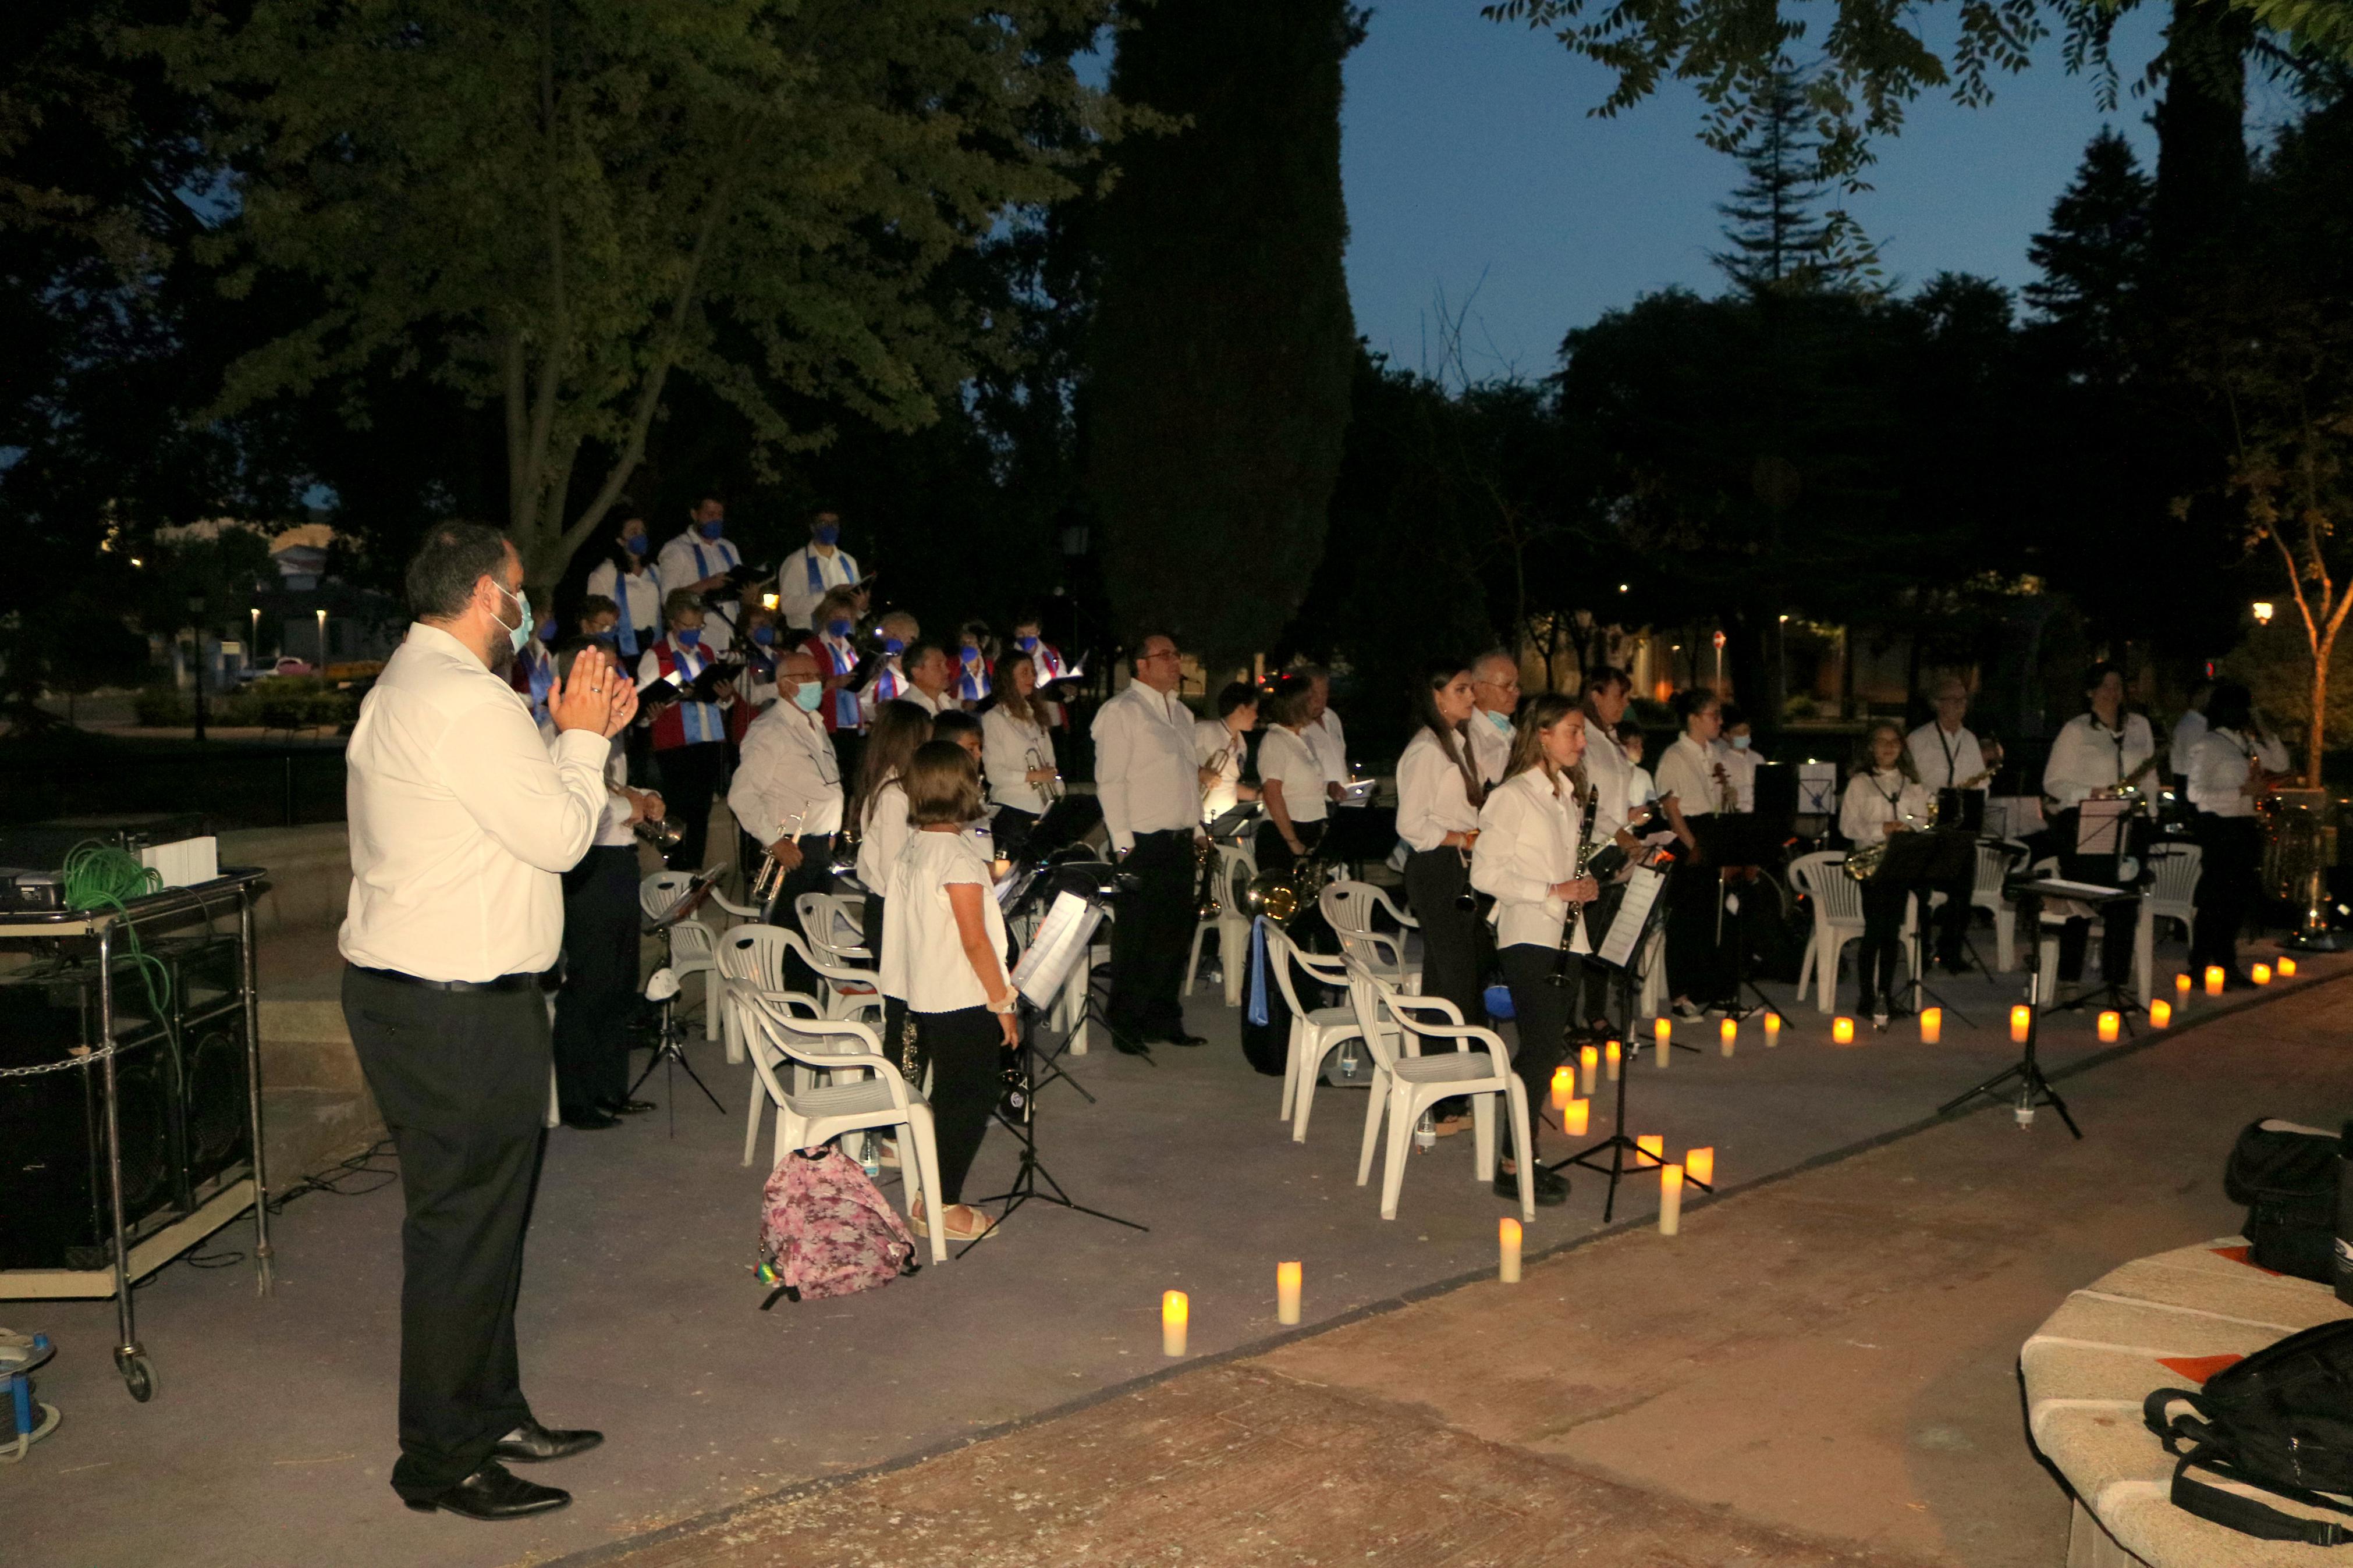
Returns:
<point x="825" y="1230"/>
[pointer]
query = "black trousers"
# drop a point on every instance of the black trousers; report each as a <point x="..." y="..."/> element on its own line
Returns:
<point x="1454" y="941"/>
<point x="813" y="875"/>
<point x="965" y="1050"/>
<point x="1952" y="918"/>
<point x="600" y="980"/>
<point x="462" y="1078"/>
<point x="1696" y="961"/>
<point x="2230" y="871"/>
<point x="1151" y="933"/>
<point x="1882" y="937"/>
<point x="1542" y="1011"/>
<point x="1267" y="1045"/>
<point x="690" y="778"/>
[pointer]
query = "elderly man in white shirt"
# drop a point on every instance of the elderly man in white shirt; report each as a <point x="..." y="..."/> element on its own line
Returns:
<point x="1325" y="735"/>
<point x="1147" y="781"/>
<point x="786" y="796"/>
<point x="1948" y="754"/>
<point x="462" y="822"/>
<point x="1494" y="700"/>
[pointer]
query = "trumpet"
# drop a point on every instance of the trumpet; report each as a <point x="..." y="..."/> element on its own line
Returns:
<point x="1217" y="764"/>
<point x="1052" y="790"/>
<point x="1204" y="855"/>
<point x="771" y="874"/>
<point x="663" y="834"/>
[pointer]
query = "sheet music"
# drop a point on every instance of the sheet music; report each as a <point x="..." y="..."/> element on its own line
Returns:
<point x="1633" y="914"/>
<point x="2099" y="826"/>
<point x="2078" y="890"/>
<point x="1061" y="938"/>
<point x="1818" y="789"/>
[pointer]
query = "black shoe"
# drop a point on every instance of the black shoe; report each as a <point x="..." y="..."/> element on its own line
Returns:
<point x="1182" y="1038"/>
<point x="530" y="1443"/>
<point x="1548" y="1187"/>
<point x="493" y="1492"/>
<point x="1958" y="964"/>
<point x="626" y="1106"/>
<point x="1128" y="1045"/>
<point x="591" y="1121"/>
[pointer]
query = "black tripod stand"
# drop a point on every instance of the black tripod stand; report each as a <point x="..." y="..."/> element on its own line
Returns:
<point x="669" y="1051"/>
<point x="2033" y="1088"/>
<point x="1022" y="1099"/>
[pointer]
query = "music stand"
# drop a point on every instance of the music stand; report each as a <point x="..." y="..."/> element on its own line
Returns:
<point x="2033" y="1088"/>
<point x="1742" y="841"/>
<point x="670" y="1047"/>
<point x="1918" y="859"/>
<point x="2125" y="841"/>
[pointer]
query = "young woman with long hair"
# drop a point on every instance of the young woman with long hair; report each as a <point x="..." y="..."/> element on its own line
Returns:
<point x="880" y="809"/>
<point x="1438" y="796"/>
<point x="1017" y="757"/>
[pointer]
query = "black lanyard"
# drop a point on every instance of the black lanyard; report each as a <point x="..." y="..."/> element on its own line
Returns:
<point x="2118" y="738"/>
<point x="1952" y="758"/>
<point x="1873" y="780"/>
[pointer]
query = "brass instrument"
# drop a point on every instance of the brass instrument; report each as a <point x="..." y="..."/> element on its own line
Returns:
<point x="1216" y="762"/>
<point x="1863" y="861"/>
<point x="1052" y="790"/>
<point x="1280" y="895"/>
<point x="663" y="834"/>
<point x="771" y="875"/>
<point x="1205" y="856"/>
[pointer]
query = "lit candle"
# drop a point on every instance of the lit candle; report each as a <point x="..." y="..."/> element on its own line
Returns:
<point x="1662" y="1030"/>
<point x="1671" y="1200"/>
<point x="2213" y="980"/>
<point x="1508" y="1236"/>
<point x="1729" y="1033"/>
<point x="1843" y="1030"/>
<point x="2287" y="967"/>
<point x="1174" y="1310"/>
<point x="2181" y="984"/>
<point x="2021" y="1023"/>
<point x="1564" y="1086"/>
<point x="1588" y="1064"/>
<point x="1575" y="1117"/>
<point x="1931" y="1025"/>
<point x="2161" y="1013"/>
<point x="1772" y="1029"/>
<point x="1650" y="1149"/>
<point x="2260" y="974"/>
<point x="1699" y="1165"/>
<point x="1612" y="1053"/>
<point x="1286" y="1293"/>
<point x="2110" y="1022"/>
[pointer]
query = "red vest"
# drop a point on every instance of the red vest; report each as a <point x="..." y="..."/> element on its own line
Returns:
<point x="669" y="719"/>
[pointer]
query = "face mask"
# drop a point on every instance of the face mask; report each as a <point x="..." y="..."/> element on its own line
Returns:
<point x="519" y="633"/>
<point x="807" y="695"/>
<point x="547" y="631"/>
<point x="893" y="644"/>
<point x="1027" y="645"/>
<point x="687" y="637"/>
<point x="839" y="628"/>
<point x="763" y="635"/>
<point x="713" y="529"/>
<point x="636" y="543"/>
<point x="1502" y="722"/>
<point x="604" y="639"/>
<point x="1740" y="743"/>
<point x="825" y="533"/>
<point x="972" y="656"/>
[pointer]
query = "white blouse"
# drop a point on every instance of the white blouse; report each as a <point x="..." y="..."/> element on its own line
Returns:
<point x="2217" y="766"/>
<point x="1008" y="750"/>
<point x="1687" y="772"/>
<point x="1875" y="799"/>
<point x="1212" y="741"/>
<point x="1432" y="800"/>
<point x="1528" y="841"/>
<point x="924" y="962"/>
<point x="1286" y="759"/>
<point x="881" y="834"/>
<point x="2086" y="756"/>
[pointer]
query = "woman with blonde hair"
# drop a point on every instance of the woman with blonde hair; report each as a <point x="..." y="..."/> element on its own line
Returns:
<point x="1883" y="797"/>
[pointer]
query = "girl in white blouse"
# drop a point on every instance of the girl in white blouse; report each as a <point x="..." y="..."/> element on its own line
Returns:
<point x="1531" y="836"/>
<point x="880" y="810"/>
<point x="1438" y="796"/>
<point x="1883" y="797"/>
<point x="1017" y="756"/>
<point x="1220" y="746"/>
<point x="1291" y="778"/>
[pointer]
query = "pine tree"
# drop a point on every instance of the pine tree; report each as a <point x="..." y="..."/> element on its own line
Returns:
<point x="2094" y="257"/>
<point x="1780" y="241"/>
<point x="1223" y="344"/>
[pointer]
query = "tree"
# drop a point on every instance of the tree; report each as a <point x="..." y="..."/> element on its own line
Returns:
<point x="1778" y="242"/>
<point x="1223" y="343"/>
<point x="555" y="207"/>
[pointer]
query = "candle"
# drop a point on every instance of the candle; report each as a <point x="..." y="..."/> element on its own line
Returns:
<point x="2110" y="1022"/>
<point x="2161" y="1013"/>
<point x="1564" y="1087"/>
<point x="2181" y="984"/>
<point x="1662" y="1030"/>
<point x="1671" y="1200"/>
<point x="1772" y="1029"/>
<point x="2287" y="967"/>
<point x="1931" y="1025"/>
<point x="1612" y="1052"/>
<point x="2213" y="980"/>
<point x="1843" y="1030"/>
<point x="1650" y="1149"/>
<point x="1286" y="1293"/>
<point x="1575" y="1117"/>
<point x="2021" y="1023"/>
<point x="1729" y="1033"/>
<point x="1174" y="1310"/>
<point x="2260" y="974"/>
<point x="1699" y="1165"/>
<point x="1588" y="1063"/>
<point x="1508" y="1236"/>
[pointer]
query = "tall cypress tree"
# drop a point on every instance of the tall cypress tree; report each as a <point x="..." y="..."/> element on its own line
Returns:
<point x="1780" y="241"/>
<point x="1223" y="342"/>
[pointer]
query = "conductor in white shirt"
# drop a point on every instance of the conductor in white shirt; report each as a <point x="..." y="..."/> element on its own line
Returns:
<point x="1147" y="779"/>
<point x="463" y="821"/>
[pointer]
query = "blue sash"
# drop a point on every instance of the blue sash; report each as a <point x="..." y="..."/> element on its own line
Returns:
<point x="1258" y="976"/>
<point x="816" y="576"/>
<point x="628" y="633"/>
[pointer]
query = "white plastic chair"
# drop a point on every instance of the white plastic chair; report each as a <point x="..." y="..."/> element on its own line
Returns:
<point x="2172" y="896"/>
<point x="817" y="1115"/>
<point x="1315" y="1035"/>
<point x="1237" y="867"/>
<point x="835" y="925"/>
<point x="1405" y="1083"/>
<point x="692" y="945"/>
<point x="1994" y="861"/>
<point x="848" y="991"/>
<point x="1837" y="901"/>
<point x="1347" y="908"/>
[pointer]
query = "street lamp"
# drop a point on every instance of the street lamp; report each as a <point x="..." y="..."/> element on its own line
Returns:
<point x="2262" y="612"/>
<point x="196" y="659"/>
<point x="253" y="642"/>
<point x="322" y="642"/>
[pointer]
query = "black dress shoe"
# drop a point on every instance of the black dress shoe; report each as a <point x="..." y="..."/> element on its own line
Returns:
<point x="1127" y="1045"/>
<point x="626" y="1106"/>
<point x="1182" y="1038"/>
<point x="591" y="1121"/>
<point x="1548" y="1187"/>
<point x="531" y="1442"/>
<point x="493" y="1492"/>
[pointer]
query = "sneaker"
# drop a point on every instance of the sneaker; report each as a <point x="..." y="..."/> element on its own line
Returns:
<point x="1735" y="1010"/>
<point x="1879" y="1016"/>
<point x="1689" y="1011"/>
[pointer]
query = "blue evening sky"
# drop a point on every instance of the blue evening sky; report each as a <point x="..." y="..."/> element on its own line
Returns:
<point x="1469" y="153"/>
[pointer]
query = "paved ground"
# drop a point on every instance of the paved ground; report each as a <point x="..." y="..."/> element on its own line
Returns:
<point x="1840" y="1370"/>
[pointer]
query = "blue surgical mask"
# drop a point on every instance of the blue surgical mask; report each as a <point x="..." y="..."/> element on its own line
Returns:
<point x="1501" y="721"/>
<point x="1740" y="743"/>
<point x="638" y="543"/>
<point x="548" y="629"/>
<point x="763" y="635"/>
<point x="1027" y="645"/>
<point x="807" y="695"/>
<point x="825" y="533"/>
<point x="605" y="639"/>
<point x="687" y="637"/>
<point x="972" y="656"/>
<point x="518" y="633"/>
<point x="839" y="628"/>
<point x="714" y="528"/>
<point x="893" y="644"/>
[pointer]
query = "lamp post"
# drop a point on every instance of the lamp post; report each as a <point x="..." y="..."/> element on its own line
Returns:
<point x="253" y="642"/>
<point x="197" y="656"/>
<point x="322" y="642"/>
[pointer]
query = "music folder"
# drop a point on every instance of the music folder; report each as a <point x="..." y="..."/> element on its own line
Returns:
<point x="1617" y="947"/>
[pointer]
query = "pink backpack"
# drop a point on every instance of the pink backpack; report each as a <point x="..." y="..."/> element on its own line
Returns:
<point x="825" y="1230"/>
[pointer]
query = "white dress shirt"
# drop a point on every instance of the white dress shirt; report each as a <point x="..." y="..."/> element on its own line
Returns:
<point x="881" y="834"/>
<point x="2188" y="730"/>
<point x="2217" y="770"/>
<point x="1641" y="789"/>
<point x="1490" y="744"/>
<point x="1874" y="799"/>
<point x="614" y="831"/>
<point x="2086" y="756"/>
<point x="934" y="706"/>
<point x="1329" y="742"/>
<point x="1144" y="772"/>
<point x="789" y="780"/>
<point x="1687" y="770"/>
<point x="462" y="819"/>
<point x="1010" y="748"/>
<point x="1739" y="765"/>
<point x="1942" y="761"/>
<point x="1288" y="758"/>
<point x="805" y="577"/>
<point x="1528" y="841"/>
<point x="1610" y="775"/>
<point x="689" y="558"/>
<point x="1432" y="798"/>
<point x="924" y="962"/>
<point x="636" y="595"/>
<point x="1214" y="745"/>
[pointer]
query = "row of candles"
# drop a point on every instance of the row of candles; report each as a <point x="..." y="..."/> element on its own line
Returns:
<point x="2021" y="1017"/>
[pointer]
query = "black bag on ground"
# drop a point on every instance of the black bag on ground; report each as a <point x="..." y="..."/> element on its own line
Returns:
<point x="2280" y="1421"/>
<point x="2287" y="1175"/>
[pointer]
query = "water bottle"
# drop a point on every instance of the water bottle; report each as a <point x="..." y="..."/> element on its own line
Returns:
<point x="1348" y="1061"/>
<point x="1425" y="1134"/>
<point x="869" y="1158"/>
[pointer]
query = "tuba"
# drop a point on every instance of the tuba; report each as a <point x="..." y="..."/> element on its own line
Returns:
<point x="1279" y="895"/>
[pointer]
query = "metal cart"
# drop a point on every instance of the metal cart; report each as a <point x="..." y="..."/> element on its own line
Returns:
<point x="222" y="1196"/>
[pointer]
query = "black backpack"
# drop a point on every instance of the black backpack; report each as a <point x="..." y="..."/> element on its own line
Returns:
<point x="2280" y="1421"/>
<point x="2287" y="1175"/>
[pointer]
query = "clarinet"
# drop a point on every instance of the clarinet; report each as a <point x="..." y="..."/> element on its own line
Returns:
<point x="1576" y="914"/>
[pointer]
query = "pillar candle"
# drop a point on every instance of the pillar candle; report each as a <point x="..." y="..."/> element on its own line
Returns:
<point x="1611" y="1052"/>
<point x="2260" y="974"/>
<point x="2161" y="1013"/>
<point x="1772" y="1029"/>
<point x="2287" y="967"/>
<point x="1843" y="1030"/>
<point x="1564" y="1086"/>
<point x="1662" y="1030"/>
<point x="2181" y="984"/>
<point x="1588" y="1064"/>
<point x="1729" y="1033"/>
<point x="1286" y="1293"/>
<point x="1671" y="1200"/>
<point x="1650" y="1149"/>
<point x="2213" y="980"/>
<point x="2110" y="1022"/>
<point x="1174" y="1310"/>
<point x="1575" y="1117"/>
<point x="1508" y="1236"/>
<point x="1931" y="1025"/>
<point x="2021" y="1023"/>
<point x="1699" y="1165"/>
